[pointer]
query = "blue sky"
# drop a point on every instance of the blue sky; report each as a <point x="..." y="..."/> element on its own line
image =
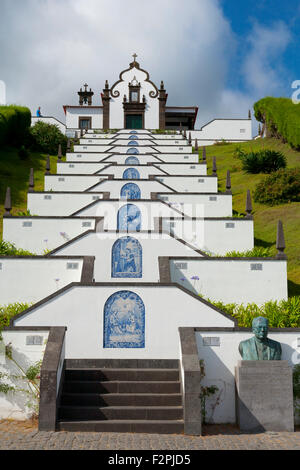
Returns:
<point x="242" y="15"/>
<point x="219" y="55"/>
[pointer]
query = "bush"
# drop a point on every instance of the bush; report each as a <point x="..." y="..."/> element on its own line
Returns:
<point x="257" y="252"/>
<point x="23" y="153"/>
<point x="279" y="187"/>
<point x="262" y="161"/>
<point x="15" y="123"/>
<point x="282" y="118"/>
<point x="9" y="249"/>
<point x="281" y="314"/>
<point x="9" y="311"/>
<point x="47" y="137"/>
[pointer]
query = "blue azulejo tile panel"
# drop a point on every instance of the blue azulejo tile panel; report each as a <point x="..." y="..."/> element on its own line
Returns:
<point x="132" y="161"/>
<point x="134" y="143"/>
<point x="133" y="151"/>
<point x="133" y="137"/>
<point x="127" y="258"/>
<point x="124" y="321"/>
<point x="131" y="174"/>
<point x="129" y="218"/>
<point x="130" y="191"/>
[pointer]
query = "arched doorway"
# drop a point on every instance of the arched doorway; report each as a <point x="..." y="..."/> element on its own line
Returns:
<point x="126" y="258"/>
<point x="124" y="321"/>
<point x="133" y="151"/>
<point x="132" y="161"/>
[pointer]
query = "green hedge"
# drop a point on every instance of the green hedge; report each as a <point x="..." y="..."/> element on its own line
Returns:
<point x="15" y="122"/>
<point x="282" y="118"/>
<point x="279" y="187"/>
<point x="47" y="137"/>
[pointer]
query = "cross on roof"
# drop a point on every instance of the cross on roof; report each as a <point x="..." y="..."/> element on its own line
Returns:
<point x="85" y="86"/>
<point x="134" y="56"/>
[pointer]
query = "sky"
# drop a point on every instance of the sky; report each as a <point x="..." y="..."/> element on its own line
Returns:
<point x="219" y="55"/>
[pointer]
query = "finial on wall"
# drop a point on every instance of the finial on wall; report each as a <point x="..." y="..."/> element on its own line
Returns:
<point x="190" y="138"/>
<point x="7" y="202"/>
<point x="31" y="181"/>
<point x="280" y="242"/>
<point x="204" y="154"/>
<point x="228" y="182"/>
<point x="214" y="166"/>
<point x="196" y="145"/>
<point x="47" y="172"/>
<point x="248" y="204"/>
<point x="59" y="153"/>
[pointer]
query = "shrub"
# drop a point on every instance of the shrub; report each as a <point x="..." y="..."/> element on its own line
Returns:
<point x="262" y="161"/>
<point x="282" y="118"/>
<point x="279" y="187"/>
<point x="23" y="153"/>
<point x="15" y="122"/>
<point x="257" y="252"/>
<point x="281" y="314"/>
<point x="47" y="137"/>
<point x="9" y="249"/>
<point x="7" y="312"/>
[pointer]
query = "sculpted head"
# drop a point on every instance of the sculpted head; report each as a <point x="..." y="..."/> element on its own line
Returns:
<point x="260" y="326"/>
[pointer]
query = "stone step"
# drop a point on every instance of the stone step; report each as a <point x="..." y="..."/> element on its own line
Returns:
<point x="122" y="363"/>
<point x="122" y="374"/>
<point x="120" y="412"/>
<point x="137" y="426"/>
<point x="121" y="399"/>
<point x="93" y="386"/>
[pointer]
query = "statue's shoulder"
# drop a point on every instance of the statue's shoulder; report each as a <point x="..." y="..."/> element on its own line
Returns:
<point x="247" y="342"/>
<point x="274" y="344"/>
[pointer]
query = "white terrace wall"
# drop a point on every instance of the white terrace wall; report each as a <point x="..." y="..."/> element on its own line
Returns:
<point x="220" y="362"/>
<point x="233" y="280"/>
<point x="86" y="157"/>
<point x="71" y="182"/>
<point x="14" y="405"/>
<point x="80" y="168"/>
<point x="144" y="159"/>
<point x="58" y="204"/>
<point x="216" y="236"/>
<point x="49" y="120"/>
<point x="81" y="309"/>
<point x="144" y="171"/>
<point x="227" y="129"/>
<point x="43" y="233"/>
<point x="191" y="184"/>
<point x="114" y="187"/>
<point x="101" y="244"/>
<point x="150" y="212"/>
<point x="30" y="279"/>
<point x="197" y="169"/>
<point x="200" y="205"/>
<point x="93" y="148"/>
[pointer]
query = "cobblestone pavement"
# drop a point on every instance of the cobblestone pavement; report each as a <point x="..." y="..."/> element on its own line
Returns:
<point x="25" y="436"/>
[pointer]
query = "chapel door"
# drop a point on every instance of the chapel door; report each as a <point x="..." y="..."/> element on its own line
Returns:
<point x="134" y="121"/>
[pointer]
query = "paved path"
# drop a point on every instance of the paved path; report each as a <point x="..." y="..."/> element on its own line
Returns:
<point x="25" y="436"/>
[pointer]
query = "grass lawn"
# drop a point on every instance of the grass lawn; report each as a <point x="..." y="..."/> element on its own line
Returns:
<point x="265" y="217"/>
<point x="15" y="173"/>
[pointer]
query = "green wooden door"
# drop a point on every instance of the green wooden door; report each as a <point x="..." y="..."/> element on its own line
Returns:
<point x="134" y="121"/>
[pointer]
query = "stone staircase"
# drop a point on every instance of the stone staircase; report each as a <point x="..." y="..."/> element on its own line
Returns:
<point x="121" y="396"/>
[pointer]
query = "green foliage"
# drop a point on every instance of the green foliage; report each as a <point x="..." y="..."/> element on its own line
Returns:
<point x="47" y="137"/>
<point x="221" y="142"/>
<point x="163" y="131"/>
<point x="206" y="391"/>
<point x="261" y="161"/>
<point x="7" y="312"/>
<point x="9" y="249"/>
<point x="23" y="153"/>
<point x="282" y="118"/>
<point x="15" y="122"/>
<point x="279" y="187"/>
<point x="281" y="314"/>
<point x="256" y="252"/>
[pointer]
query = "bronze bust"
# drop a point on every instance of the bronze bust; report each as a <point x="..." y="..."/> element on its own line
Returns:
<point x="260" y="347"/>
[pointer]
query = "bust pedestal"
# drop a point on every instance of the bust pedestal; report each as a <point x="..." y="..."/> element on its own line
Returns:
<point x="264" y="396"/>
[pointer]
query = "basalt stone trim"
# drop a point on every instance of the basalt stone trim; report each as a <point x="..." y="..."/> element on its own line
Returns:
<point x="164" y="269"/>
<point x="244" y="329"/>
<point x="48" y="384"/>
<point x="215" y="258"/>
<point x="192" y="382"/>
<point x="235" y="219"/>
<point x="122" y="363"/>
<point x="87" y="273"/>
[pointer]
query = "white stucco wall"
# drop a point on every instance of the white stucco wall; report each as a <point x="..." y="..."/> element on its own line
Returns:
<point x="183" y="168"/>
<point x="190" y="184"/>
<point x="60" y="204"/>
<point x="73" y="114"/>
<point x="30" y="280"/>
<point x="220" y="362"/>
<point x="86" y="157"/>
<point x="44" y="233"/>
<point x="144" y="171"/>
<point x="49" y="120"/>
<point x="13" y="405"/>
<point x="200" y="205"/>
<point x="216" y="236"/>
<point x="71" y="182"/>
<point x="93" y="148"/>
<point x="233" y="281"/>
<point x="227" y="129"/>
<point x="77" y="168"/>
<point x="114" y="187"/>
<point x="80" y="309"/>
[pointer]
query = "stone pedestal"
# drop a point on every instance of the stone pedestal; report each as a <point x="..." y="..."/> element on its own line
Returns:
<point x="264" y="396"/>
